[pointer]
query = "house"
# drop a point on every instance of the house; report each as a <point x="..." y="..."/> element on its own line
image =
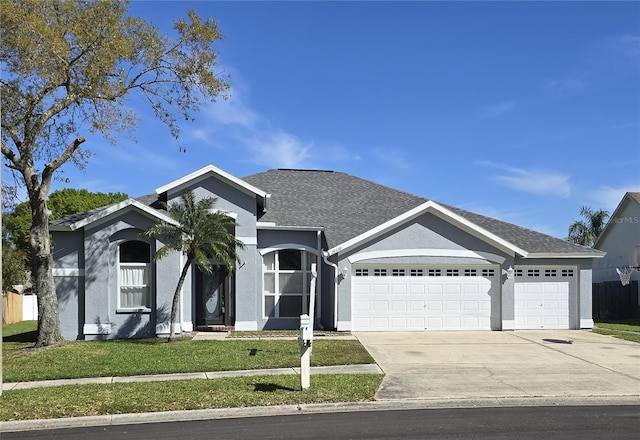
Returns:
<point x="382" y="260"/>
<point x="620" y="239"/>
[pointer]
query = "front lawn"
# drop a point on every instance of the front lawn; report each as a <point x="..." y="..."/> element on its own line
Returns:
<point x="156" y="356"/>
<point x="627" y="329"/>
<point x="120" y="398"/>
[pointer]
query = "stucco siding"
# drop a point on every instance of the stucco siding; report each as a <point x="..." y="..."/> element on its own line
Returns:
<point x="623" y="233"/>
<point x="228" y="199"/>
<point x="102" y="316"/>
<point x="68" y="277"/>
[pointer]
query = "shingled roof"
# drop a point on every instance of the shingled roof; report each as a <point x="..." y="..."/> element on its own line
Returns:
<point x="344" y="205"/>
<point x="347" y="206"/>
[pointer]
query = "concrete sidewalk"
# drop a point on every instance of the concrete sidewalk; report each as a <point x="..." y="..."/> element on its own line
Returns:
<point x="338" y="369"/>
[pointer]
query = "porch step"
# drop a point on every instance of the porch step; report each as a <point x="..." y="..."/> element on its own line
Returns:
<point x="215" y="328"/>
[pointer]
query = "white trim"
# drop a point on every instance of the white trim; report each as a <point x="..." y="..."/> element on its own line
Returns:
<point x="508" y="324"/>
<point x="246" y="325"/>
<point x="265" y="226"/>
<point x="344" y="326"/>
<point x="123" y="310"/>
<point x="440" y="212"/>
<point x="132" y="203"/>
<point x="96" y="329"/>
<point x="586" y="323"/>
<point x="181" y="314"/>
<point x="464" y="253"/>
<point x="294" y="246"/>
<point x="210" y="169"/>
<point x="187" y="326"/>
<point x="595" y="254"/>
<point x="276" y="271"/>
<point x="162" y="329"/>
<point x="233" y="215"/>
<point x="248" y="241"/>
<point x="67" y="272"/>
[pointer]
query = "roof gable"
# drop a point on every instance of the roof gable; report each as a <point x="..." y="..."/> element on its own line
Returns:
<point x="630" y="198"/>
<point x="208" y="171"/>
<point x="441" y="212"/>
<point x="73" y="223"/>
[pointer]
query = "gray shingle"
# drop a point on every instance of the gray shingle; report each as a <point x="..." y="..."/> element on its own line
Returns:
<point x="347" y="206"/>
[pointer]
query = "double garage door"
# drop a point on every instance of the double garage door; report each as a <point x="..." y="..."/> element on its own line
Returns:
<point x="424" y="298"/>
<point x="458" y="298"/>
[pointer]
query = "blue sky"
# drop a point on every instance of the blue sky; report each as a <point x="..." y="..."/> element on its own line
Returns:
<point x="523" y="111"/>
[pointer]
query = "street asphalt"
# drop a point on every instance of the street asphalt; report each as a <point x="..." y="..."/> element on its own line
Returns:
<point x="437" y="370"/>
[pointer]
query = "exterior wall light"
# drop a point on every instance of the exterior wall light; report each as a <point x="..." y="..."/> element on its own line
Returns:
<point x="509" y="272"/>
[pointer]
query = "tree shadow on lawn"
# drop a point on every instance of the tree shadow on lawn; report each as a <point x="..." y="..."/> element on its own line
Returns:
<point x="22" y="337"/>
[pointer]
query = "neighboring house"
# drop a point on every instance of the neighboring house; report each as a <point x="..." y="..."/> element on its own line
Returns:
<point x="385" y="260"/>
<point x="620" y="239"/>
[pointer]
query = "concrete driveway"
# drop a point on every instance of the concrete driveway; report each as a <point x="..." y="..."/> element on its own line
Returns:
<point x="519" y="364"/>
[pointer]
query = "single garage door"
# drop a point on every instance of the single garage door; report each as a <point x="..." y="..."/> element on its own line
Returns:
<point x="542" y="297"/>
<point x="423" y="298"/>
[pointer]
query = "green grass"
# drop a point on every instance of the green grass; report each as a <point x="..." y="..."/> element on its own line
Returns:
<point x="627" y="329"/>
<point x="120" y="398"/>
<point x="155" y="356"/>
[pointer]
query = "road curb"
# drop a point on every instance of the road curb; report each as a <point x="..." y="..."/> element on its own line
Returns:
<point x="265" y="411"/>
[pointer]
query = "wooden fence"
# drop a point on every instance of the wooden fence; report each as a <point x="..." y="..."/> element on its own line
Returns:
<point x="18" y="308"/>
<point x="612" y="300"/>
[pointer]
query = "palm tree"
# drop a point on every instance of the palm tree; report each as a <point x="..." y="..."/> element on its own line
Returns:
<point x="587" y="232"/>
<point x="199" y="233"/>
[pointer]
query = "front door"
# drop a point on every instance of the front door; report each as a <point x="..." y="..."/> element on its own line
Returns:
<point x="211" y="296"/>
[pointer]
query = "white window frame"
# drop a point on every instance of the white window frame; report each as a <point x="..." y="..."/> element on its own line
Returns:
<point x="276" y="271"/>
<point x="148" y="286"/>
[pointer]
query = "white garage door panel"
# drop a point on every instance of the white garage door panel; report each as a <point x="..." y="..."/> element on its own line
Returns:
<point x="395" y="303"/>
<point x="543" y="302"/>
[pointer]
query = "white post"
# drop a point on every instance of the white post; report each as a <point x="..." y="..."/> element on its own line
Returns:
<point x="305" y="339"/>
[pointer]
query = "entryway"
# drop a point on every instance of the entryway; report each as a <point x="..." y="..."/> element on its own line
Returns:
<point x="214" y="301"/>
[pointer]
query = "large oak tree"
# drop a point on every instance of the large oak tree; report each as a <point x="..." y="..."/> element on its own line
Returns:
<point x="70" y="67"/>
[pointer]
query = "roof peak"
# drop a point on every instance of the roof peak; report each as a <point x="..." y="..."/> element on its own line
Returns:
<point x="300" y="169"/>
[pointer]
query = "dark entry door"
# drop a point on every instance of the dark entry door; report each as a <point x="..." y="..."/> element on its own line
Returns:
<point x="211" y="297"/>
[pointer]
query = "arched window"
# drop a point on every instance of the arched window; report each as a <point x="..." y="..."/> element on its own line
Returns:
<point x="134" y="274"/>
<point x="287" y="279"/>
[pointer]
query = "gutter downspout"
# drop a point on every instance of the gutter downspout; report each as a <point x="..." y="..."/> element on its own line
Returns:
<point x="325" y="257"/>
<point x="317" y="320"/>
<point x="181" y="303"/>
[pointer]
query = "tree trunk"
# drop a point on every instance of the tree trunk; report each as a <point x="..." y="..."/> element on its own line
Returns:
<point x="176" y="300"/>
<point x="48" y="319"/>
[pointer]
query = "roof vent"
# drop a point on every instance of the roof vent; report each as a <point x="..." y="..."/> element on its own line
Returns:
<point x="297" y="169"/>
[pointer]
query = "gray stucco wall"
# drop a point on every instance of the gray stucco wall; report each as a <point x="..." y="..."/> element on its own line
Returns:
<point x="228" y="199"/>
<point x="246" y="288"/>
<point x="623" y="234"/>
<point x="68" y="271"/>
<point x="101" y="280"/>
